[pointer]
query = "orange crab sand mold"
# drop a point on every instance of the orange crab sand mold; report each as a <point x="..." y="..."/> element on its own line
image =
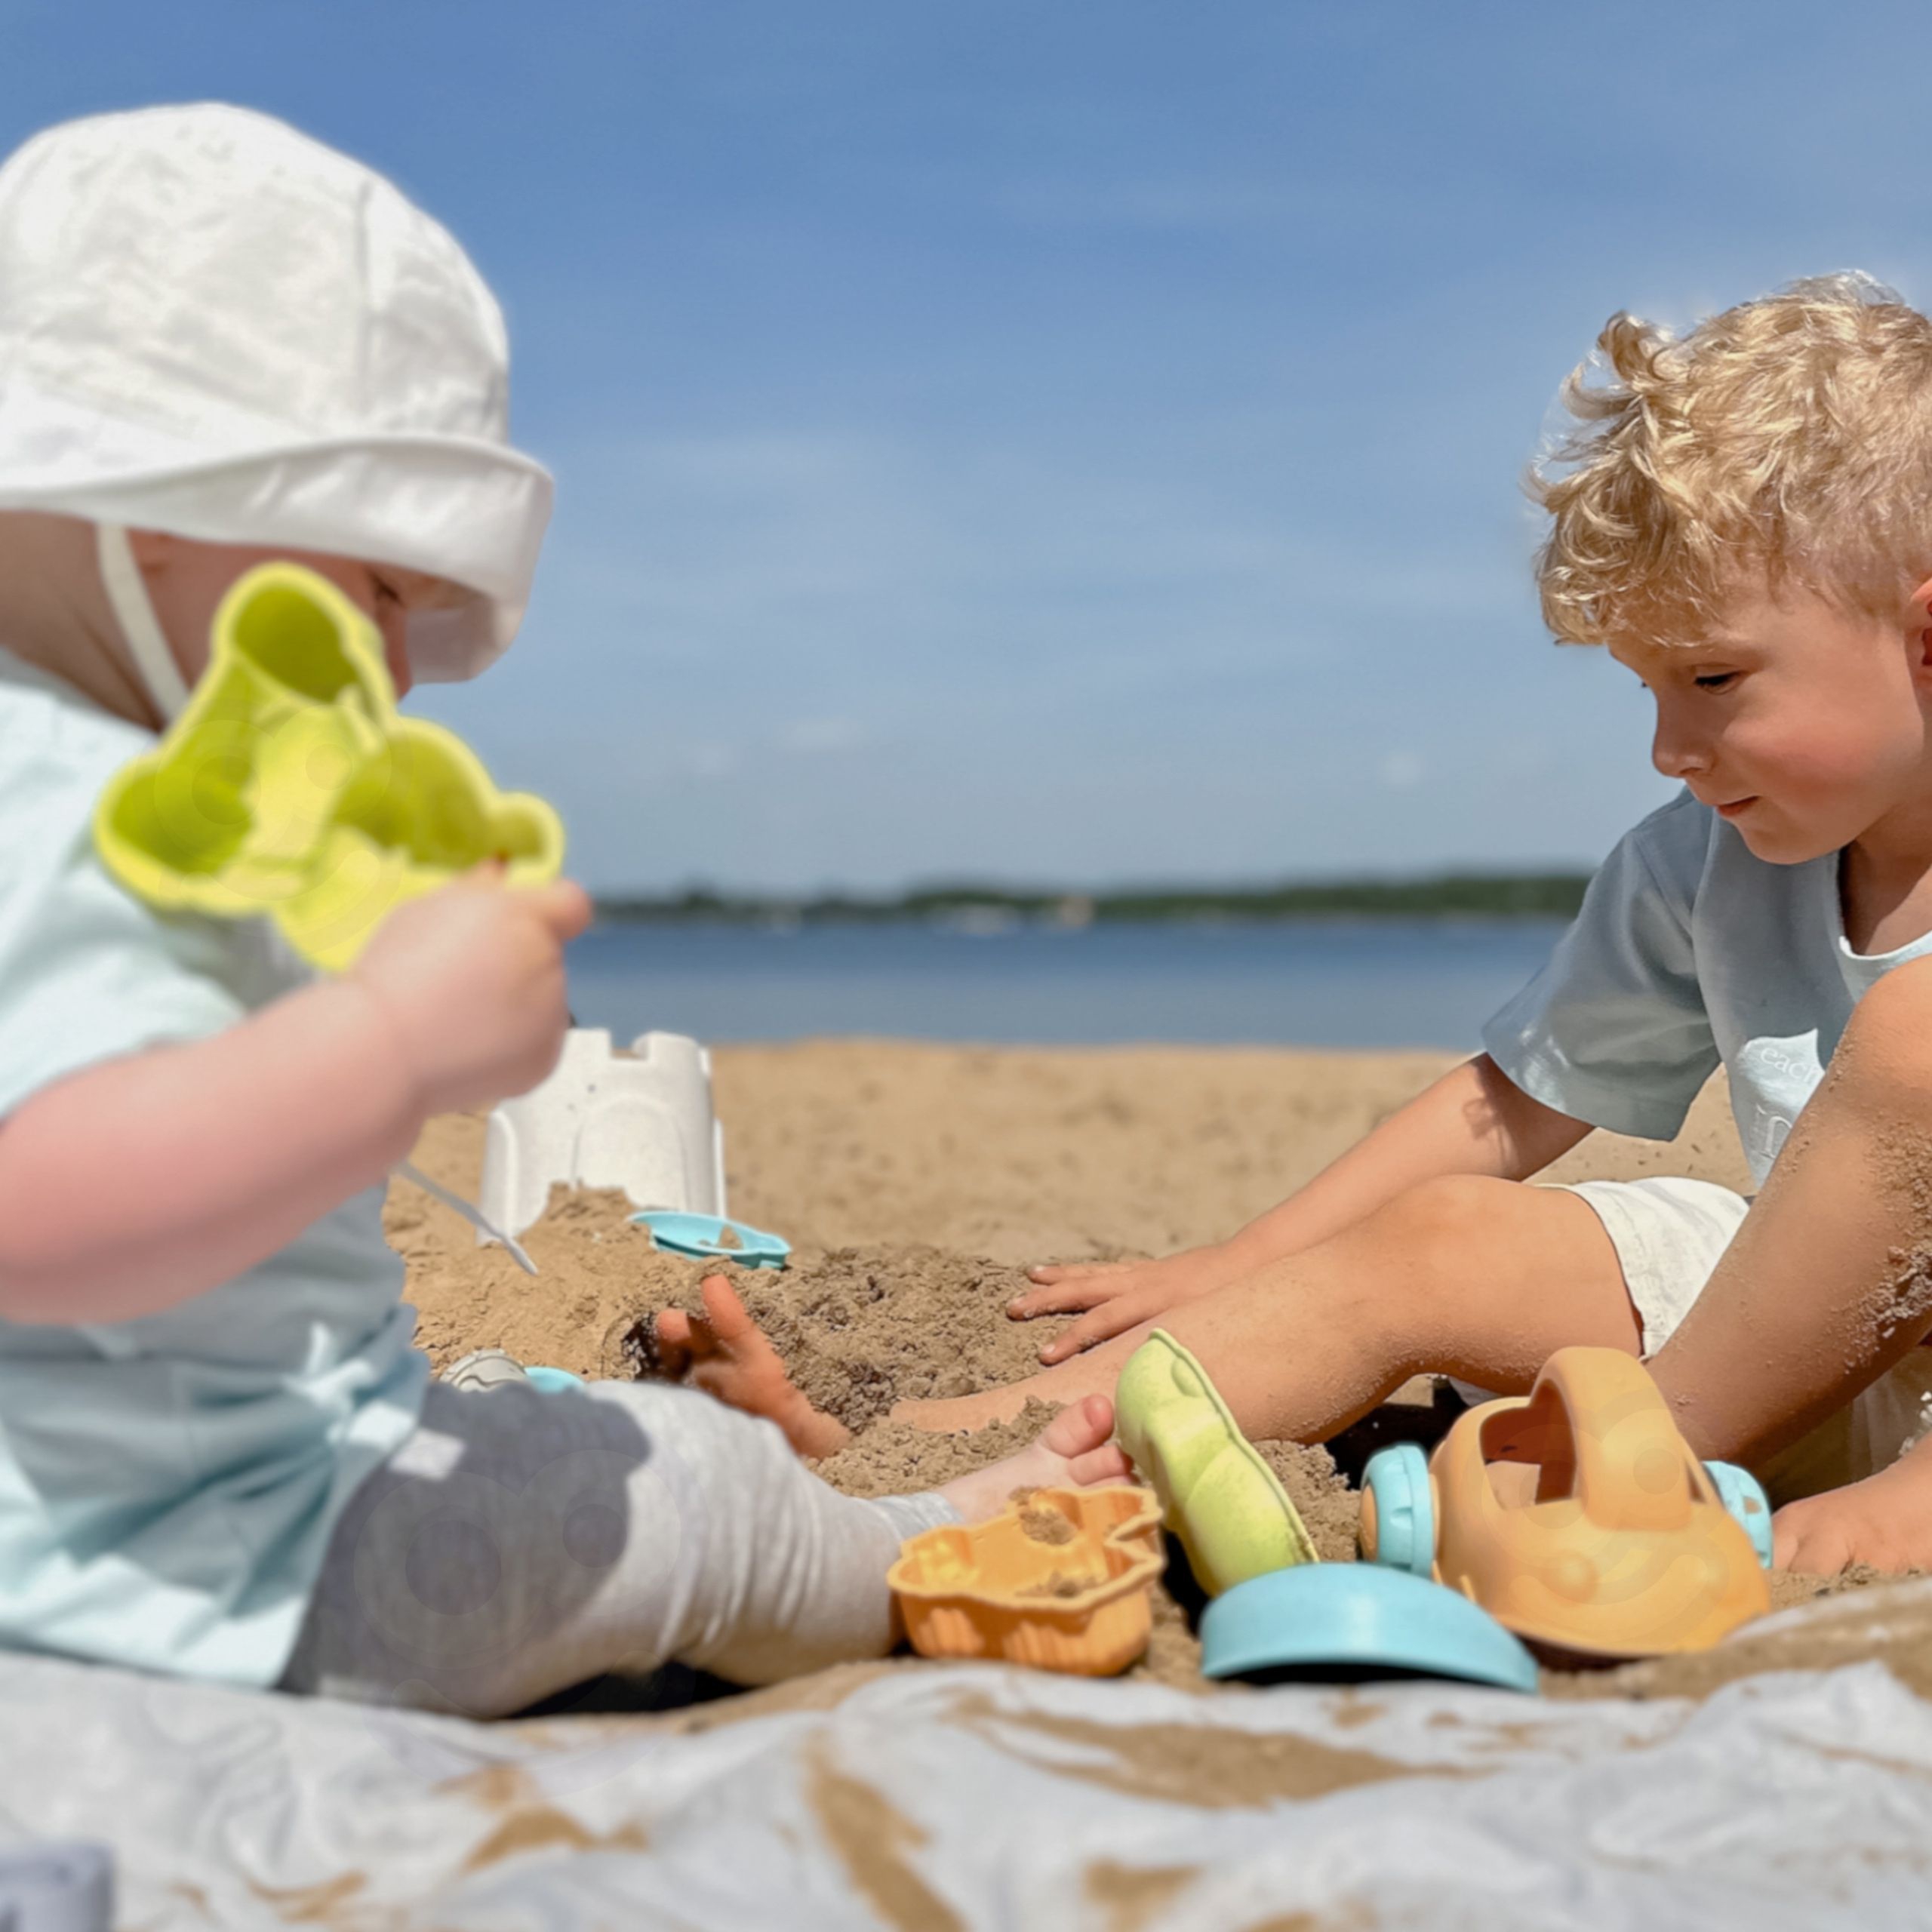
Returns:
<point x="1059" y="1580"/>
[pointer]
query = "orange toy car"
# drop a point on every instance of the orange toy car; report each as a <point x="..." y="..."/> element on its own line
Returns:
<point x="1579" y="1518"/>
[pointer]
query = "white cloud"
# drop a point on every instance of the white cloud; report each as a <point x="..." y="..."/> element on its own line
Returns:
<point x="710" y="762"/>
<point x="822" y="736"/>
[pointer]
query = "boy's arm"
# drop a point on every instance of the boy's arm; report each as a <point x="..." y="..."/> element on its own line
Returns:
<point x="141" y="1183"/>
<point x="1474" y="1120"/>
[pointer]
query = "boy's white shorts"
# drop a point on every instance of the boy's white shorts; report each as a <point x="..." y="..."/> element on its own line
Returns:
<point x="1669" y="1233"/>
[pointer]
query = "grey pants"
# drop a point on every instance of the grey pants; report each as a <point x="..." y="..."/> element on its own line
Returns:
<point x="520" y="1543"/>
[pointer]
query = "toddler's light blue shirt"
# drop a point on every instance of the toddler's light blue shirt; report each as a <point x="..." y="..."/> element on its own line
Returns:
<point x="167" y="1485"/>
<point x="1690" y="951"/>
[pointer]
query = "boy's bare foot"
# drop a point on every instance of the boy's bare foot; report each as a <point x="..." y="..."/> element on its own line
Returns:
<point x="1885" y="1522"/>
<point x="1071" y="1452"/>
<point x="960" y="1415"/>
<point x="1094" y="1374"/>
<point x="724" y="1352"/>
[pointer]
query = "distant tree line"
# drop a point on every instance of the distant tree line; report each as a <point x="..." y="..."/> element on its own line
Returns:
<point x="1453" y="895"/>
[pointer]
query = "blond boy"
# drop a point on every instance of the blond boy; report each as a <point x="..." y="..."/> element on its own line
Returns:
<point x="1743" y="518"/>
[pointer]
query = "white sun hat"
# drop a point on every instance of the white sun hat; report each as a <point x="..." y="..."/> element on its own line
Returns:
<point x="212" y="325"/>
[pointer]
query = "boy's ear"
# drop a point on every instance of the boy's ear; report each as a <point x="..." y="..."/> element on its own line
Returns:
<point x="1922" y="619"/>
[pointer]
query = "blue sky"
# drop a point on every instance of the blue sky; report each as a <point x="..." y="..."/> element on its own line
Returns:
<point x="1071" y="440"/>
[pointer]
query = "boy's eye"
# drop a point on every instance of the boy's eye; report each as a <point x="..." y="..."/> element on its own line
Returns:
<point x="1717" y="681"/>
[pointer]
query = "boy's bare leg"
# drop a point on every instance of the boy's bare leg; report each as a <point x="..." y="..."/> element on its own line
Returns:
<point x="1470" y="1276"/>
<point x="1828" y="1282"/>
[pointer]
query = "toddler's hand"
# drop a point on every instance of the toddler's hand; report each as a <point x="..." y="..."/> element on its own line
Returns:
<point x="472" y="979"/>
<point x="1117" y="1295"/>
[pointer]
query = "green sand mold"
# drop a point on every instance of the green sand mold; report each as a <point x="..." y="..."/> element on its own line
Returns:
<point x="1232" y="1517"/>
<point x="290" y="787"/>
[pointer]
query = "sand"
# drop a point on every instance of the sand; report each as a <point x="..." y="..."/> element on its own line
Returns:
<point x="915" y="1181"/>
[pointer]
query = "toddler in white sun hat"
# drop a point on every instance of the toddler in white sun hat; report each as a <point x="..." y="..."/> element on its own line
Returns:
<point x="220" y="1454"/>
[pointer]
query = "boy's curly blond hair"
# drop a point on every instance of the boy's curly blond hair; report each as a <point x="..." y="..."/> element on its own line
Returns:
<point x="1787" y="441"/>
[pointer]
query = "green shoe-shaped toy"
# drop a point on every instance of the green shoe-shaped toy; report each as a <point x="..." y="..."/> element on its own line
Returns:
<point x="290" y="786"/>
<point x="1233" y="1518"/>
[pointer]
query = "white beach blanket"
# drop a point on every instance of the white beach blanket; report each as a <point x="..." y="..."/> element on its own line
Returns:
<point x="939" y="1798"/>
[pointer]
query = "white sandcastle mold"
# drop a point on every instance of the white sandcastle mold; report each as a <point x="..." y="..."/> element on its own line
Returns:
<point x="639" y="1120"/>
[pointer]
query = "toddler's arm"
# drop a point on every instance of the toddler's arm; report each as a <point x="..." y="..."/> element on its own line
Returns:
<point x="138" y="1183"/>
<point x="1474" y="1120"/>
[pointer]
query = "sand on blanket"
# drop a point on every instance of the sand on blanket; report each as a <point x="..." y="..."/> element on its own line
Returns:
<point x="915" y="1181"/>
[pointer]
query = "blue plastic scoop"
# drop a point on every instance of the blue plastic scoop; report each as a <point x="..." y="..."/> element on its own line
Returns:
<point x="710" y="1237"/>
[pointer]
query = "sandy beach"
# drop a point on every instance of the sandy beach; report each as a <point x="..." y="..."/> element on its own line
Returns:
<point x="915" y="1181"/>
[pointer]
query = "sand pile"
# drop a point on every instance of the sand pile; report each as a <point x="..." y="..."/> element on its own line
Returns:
<point x="859" y="1328"/>
<point x="914" y="1180"/>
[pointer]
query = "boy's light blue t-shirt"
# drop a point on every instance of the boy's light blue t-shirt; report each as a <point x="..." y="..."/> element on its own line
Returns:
<point x="167" y="1485"/>
<point x="1689" y="951"/>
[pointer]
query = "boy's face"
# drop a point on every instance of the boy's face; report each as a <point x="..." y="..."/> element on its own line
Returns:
<point x="1802" y="725"/>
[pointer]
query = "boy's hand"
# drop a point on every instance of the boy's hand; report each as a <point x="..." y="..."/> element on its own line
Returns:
<point x="1882" y="1521"/>
<point x="1120" y="1295"/>
<point x="1824" y="1534"/>
<point x="472" y="979"/>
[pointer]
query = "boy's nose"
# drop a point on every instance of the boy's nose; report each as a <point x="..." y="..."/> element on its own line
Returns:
<point x="1675" y="752"/>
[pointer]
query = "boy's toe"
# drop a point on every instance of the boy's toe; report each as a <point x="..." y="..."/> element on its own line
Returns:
<point x="1080" y="1427"/>
<point x="1108" y="1463"/>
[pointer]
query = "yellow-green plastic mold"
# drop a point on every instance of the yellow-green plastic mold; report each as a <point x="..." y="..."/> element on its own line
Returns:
<point x="291" y="787"/>
<point x="1220" y="1498"/>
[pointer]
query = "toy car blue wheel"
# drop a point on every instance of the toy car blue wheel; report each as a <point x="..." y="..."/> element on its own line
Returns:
<point x="1397" y="1481"/>
<point x="1743" y="1497"/>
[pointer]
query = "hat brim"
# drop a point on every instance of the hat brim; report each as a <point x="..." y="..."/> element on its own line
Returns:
<point x="471" y="512"/>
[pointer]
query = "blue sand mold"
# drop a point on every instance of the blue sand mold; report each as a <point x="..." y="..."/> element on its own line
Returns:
<point x="699" y="1235"/>
<point x="1339" y="1615"/>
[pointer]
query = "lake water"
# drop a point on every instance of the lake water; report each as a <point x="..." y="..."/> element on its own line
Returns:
<point x="1381" y="982"/>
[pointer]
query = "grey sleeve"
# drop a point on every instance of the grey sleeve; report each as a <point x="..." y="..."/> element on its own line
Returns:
<point x="1614" y="1030"/>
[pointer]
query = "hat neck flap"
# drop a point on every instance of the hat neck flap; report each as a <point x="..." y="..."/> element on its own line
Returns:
<point x="133" y="610"/>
